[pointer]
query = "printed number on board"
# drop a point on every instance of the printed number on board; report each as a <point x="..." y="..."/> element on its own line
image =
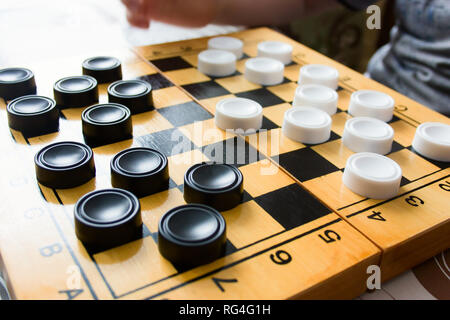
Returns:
<point x="218" y="282"/>
<point x="50" y="250"/>
<point x="330" y="236"/>
<point x="281" y="257"/>
<point x="376" y="215"/>
<point x="445" y="186"/>
<point x="414" y="201"/>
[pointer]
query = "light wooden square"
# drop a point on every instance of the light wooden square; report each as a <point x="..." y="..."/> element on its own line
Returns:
<point x="133" y="265"/>
<point x="331" y="188"/>
<point x="403" y="132"/>
<point x="178" y="164"/>
<point x="413" y="166"/>
<point x="338" y="122"/>
<point x="186" y="76"/>
<point x="276" y="113"/>
<point x="210" y="104"/>
<point x="285" y="91"/>
<point x="335" y="152"/>
<point x="149" y="122"/>
<point x="154" y="206"/>
<point x="248" y="223"/>
<point x="237" y="84"/>
<point x="272" y="143"/>
<point x="263" y="177"/>
<point x="203" y="133"/>
<point x="344" y="99"/>
<point x="292" y="72"/>
<point x="169" y="97"/>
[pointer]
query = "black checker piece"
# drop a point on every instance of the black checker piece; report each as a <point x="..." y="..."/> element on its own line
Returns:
<point x="217" y="185"/>
<point x="305" y="164"/>
<point x="292" y="206"/>
<point x="33" y="115"/>
<point x="64" y="165"/>
<point x="134" y="94"/>
<point x="107" y="218"/>
<point x="185" y="113"/>
<point x="192" y="235"/>
<point x="142" y="171"/>
<point x="103" y="69"/>
<point x="75" y="92"/>
<point x="106" y="123"/>
<point x="16" y="82"/>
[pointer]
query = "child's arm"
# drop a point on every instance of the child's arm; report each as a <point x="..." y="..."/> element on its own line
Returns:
<point x="196" y="13"/>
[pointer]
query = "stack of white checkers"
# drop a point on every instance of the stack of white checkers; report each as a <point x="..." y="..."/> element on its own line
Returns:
<point x="368" y="172"/>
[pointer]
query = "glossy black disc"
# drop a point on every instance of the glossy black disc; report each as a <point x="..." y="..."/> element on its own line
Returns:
<point x="107" y="218"/>
<point x="16" y="82"/>
<point x="143" y="171"/>
<point x="75" y="92"/>
<point x="106" y="123"/>
<point x="64" y="165"/>
<point x="217" y="185"/>
<point x="191" y="235"/>
<point x="103" y="69"/>
<point x="135" y="94"/>
<point x="33" y="115"/>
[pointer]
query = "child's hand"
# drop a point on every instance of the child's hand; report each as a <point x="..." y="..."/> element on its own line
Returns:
<point x="190" y="13"/>
<point x="197" y="13"/>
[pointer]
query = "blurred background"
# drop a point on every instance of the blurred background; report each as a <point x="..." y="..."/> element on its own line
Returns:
<point x="47" y="28"/>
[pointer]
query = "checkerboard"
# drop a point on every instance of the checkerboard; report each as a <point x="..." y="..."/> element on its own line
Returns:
<point x="297" y="234"/>
<point x="406" y="230"/>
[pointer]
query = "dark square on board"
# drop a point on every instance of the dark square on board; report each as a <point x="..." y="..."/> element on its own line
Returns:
<point x="170" y="64"/>
<point x="185" y="113"/>
<point x="234" y="151"/>
<point x="206" y="90"/>
<point x="292" y="206"/>
<point x="169" y="142"/>
<point x="305" y="164"/>
<point x="263" y="96"/>
<point x="157" y="81"/>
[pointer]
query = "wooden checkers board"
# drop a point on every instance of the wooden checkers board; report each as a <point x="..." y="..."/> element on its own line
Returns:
<point x="298" y="232"/>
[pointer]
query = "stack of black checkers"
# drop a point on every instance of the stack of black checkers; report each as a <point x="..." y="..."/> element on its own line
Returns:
<point x="33" y="115"/>
<point x="106" y="123"/>
<point x="143" y="171"/>
<point x="64" y="165"/>
<point x="107" y="218"/>
<point x="16" y="82"/>
<point x="135" y="94"/>
<point x="103" y="69"/>
<point x="75" y="92"/>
